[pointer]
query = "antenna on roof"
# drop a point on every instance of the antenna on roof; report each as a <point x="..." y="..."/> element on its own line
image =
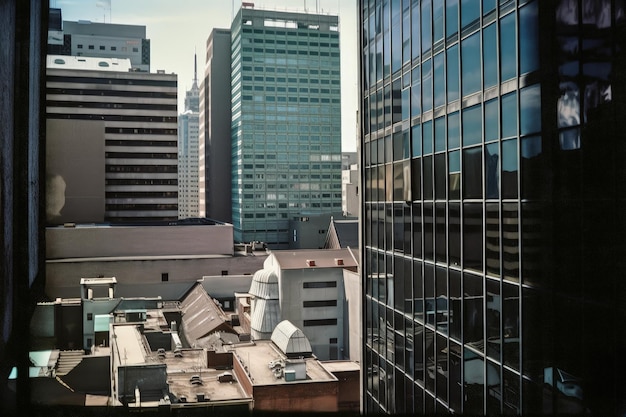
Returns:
<point x="195" y="66"/>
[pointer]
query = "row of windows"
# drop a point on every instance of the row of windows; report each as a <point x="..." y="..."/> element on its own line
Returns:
<point x="291" y="70"/>
<point x="142" y="168"/>
<point x="270" y="51"/>
<point x="276" y="61"/>
<point x="489" y="56"/>
<point x="115" y="118"/>
<point x="320" y="322"/>
<point x="141" y="155"/>
<point x="298" y="33"/>
<point x="103" y="47"/>
<point x="298" y="205"/>
<point x="141" y="207"/>
<point x="108" y="105"/>
<point x="489" y="171"/>
<point x="272" y="41"/>
<point x="112" y="81"/>
<point x="159" y="143"/>
<point x="319" y="284"/>
<point x="139" y="194"/>
<point x="111" y="93"/>
<point x="139" y="131"/>
<point x="472" y="235"/>
<point x="139" y="181"/>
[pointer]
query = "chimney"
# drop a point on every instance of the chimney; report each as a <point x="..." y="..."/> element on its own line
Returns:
<point x="310" y="262"/>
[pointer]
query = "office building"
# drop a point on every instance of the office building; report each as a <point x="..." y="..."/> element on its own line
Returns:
<point x="111" y="148"/>
<point x="188" y="152"/>
<point x="214" y="130"/>
<point x="493" y="213"/>
<point x="286" y="121"/>
<point x="101" y="40"/>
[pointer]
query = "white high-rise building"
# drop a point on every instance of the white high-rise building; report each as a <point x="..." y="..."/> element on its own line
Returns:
<point x="188" y="153"/>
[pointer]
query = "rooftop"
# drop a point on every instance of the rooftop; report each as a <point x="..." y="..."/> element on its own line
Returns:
<point x="323" y="258"/>
<point x="257" y="356"/>
<point x="88" y="63"/>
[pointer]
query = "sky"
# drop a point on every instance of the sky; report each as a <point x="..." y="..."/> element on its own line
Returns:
<point x="177" y="28"/>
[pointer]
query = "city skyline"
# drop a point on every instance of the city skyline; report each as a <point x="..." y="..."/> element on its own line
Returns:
<point x="177" y="32"/>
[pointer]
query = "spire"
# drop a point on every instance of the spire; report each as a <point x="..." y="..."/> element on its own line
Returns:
<point x="195" y="67"/>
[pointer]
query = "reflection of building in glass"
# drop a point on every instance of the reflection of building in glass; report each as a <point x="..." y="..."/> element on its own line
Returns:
<point x="493" y="225"/>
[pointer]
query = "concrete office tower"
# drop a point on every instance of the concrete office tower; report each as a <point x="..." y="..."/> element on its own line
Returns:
<point x="188" y="152"/>
<point x="214" y="148"/>
<point x="106" y="40"/>
<point x="493" y="144"/>
<point x="111" y="150"/>
<point x="286" y="121"/>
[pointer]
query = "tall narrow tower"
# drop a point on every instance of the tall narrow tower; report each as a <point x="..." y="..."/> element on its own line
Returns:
<point x="188" y="152"/>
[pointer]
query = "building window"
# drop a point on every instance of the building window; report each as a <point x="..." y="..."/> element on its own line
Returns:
<point x="135" y="49"/>
<point x="102" y="47"/>
<point x="113" y="48"/>
<point x="89" y="316"/>
<point x="333" y="341"/>
<point x="320" y="284"/>
<point x="320" y="303"/>
<point x="79" y="46"/>
<point x="320" y="322"/>
<point x="90" y="47"/>
<point x="165" y="277"/>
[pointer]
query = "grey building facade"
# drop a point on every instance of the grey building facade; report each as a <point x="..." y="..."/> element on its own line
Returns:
<point x="286" y="121"/>
<point x="106" y="40"/>
<point x="111" y="142"/>
<point x="493" y="209"/>
<point x="214" y="130"/>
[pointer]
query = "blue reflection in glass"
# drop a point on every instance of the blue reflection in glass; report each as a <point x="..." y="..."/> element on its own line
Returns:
<point x="470" y="57"/>
<point x="508" y="55"/>
<point x="530" y="109"/>
<point x="470" y="11"/>
<point x="529" y="37"/>
<point x="531" y="146"/>
<point x="439" y="85"/>
<point x="440" y="134"/>
<point x="488" y="5"/>
<point x="426" y="26"/>
<point x="452" y="16"/>
<point x="509" y="115"/>
<point x="427" y="85"/>
<point x="406" y="104"/>
<point x="427" y="135"/>
<point x="569" y="140"/>
<point x="492" y="171"/>
<point x="490" y="56"/>
<point x="415" y="31"/>
<point x="454" y="130"/>
<point x="454" y="161"/>
<point x="437" y="20"/>
<point x="416" y="86"/>
<point x="509" y="155"/>
<point x="472" y="125"/>
<point x="452" y="55"/>
<point x="491" y="120"/>
<point x="416" y="141"/>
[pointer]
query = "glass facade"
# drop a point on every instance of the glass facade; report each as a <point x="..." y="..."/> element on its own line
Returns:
<point x="286" y="121"/>
<point x="493" y="222"/>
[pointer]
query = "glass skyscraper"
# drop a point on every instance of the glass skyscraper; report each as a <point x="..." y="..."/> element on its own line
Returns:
<point x="286" y="121"/>
<point x="494" y="216"/>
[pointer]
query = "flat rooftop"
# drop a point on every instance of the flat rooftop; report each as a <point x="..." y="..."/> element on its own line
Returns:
<point x="341" y="366"/>
<point x="193" y="362"/>
<point x="130" y="344"/>
<point x="258" y="355"/>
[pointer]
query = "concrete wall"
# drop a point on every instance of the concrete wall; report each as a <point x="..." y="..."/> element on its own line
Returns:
<point x="82" y="242"/>
<point x="74" y="171"/>
<point x="352" y="315"/>
<point x="292" y="296"/>
<point x="63" y="278"/>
